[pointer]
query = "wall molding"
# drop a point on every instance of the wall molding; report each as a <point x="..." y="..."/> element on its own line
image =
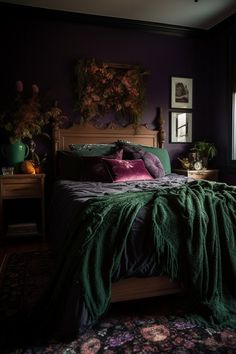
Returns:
<point x="95" y="20"/>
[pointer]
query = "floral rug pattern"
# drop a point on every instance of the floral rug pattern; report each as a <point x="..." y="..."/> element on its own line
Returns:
<point x="146" y="335"/>
<point x="147" y="326"/>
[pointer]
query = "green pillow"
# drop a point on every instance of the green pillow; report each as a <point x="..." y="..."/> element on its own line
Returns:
<point x="93" y="149"/>
<point x="163" y="156"/>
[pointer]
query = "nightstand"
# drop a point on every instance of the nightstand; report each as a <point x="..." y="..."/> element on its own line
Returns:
<point x="24" y="187"/>
<point x="210" y="175"/>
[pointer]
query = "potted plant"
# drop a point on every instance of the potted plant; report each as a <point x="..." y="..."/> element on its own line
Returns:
<point x="206" y="151"/>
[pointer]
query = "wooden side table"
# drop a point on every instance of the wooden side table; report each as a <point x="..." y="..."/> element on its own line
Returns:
<point x="22" y="186"/>
<point x="210" y="175"/>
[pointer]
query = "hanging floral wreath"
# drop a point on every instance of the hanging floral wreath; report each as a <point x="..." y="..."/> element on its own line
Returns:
<point x="101" y="88"/>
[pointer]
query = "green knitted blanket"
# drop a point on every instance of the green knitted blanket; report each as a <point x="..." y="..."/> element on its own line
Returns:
<point x="193" y="231"/>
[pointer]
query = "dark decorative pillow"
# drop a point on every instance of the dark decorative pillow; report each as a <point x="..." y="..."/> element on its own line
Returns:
<point x="127" y="170"/>
<point x="72" y="166"/>
<point x="93" y="169"/>
<point x="151" y="162"/>
<point x="67" y="166"/>
<point x="116" y="155"/>
<point x="161" y="154"/>
<point x="93" y="149"/>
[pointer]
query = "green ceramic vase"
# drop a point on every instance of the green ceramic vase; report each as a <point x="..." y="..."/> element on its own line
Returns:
<point x="15" y="153"/>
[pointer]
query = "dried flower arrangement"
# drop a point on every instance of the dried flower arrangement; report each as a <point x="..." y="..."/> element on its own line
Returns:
<point x="101" y="88"/>
<point x="26" y="116"/>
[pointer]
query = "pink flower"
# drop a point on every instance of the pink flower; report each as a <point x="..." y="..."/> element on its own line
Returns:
<point x="87" y="101"/>
<point x="96" y="98"/>
<point x="93" y="69"/>
<point x="89" y="89"/>
<point x="126" y="82"/>
<point x="118" y="107"/>
<point x="127" y="104"/>
<point x="19" y="86"/>
<point x="35" y="89"/>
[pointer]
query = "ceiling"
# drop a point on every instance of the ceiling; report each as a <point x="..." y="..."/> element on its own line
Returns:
<point x="202" y="14"/>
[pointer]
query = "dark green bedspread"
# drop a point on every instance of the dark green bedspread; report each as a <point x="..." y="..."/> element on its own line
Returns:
<point x="193" y="231"/>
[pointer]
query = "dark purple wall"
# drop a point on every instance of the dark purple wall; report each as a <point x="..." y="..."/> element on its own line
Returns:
<point x="220" y="97"/>
<point x="43" y="50"/>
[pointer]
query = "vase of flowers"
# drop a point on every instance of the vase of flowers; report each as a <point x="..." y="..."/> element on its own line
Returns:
<point x="15" y="152"/>
<point x="25" y="116"/>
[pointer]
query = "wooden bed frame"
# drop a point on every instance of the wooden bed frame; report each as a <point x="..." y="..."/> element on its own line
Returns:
<point x="131" y="288"/>
<point x="89" y="134"/>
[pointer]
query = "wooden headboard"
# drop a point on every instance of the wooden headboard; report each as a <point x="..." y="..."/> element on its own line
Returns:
<point x="89" y="134"/>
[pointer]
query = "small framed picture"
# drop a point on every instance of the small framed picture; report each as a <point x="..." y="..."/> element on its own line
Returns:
<point x="181" y="127"/>
<point x="181" y="92"/>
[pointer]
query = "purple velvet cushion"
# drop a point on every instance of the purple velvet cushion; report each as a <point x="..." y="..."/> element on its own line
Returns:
<point x="94" y="169"/>
<point x="151" y="161"/>
<point x="127" y="170"/>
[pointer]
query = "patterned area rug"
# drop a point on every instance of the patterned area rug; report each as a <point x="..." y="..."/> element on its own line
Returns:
<point x="147" y="326"/>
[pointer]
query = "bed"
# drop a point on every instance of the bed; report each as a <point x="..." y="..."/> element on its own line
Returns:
<point x="111" y="212"/>
<point x="131" y="288"/>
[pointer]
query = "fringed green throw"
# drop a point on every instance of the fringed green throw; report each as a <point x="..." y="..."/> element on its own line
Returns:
<point x="193" y="231"/>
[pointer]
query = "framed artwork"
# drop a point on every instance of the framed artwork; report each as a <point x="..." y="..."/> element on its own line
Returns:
<point x="181" y="127"/>
<point x="181" y="92"/>
<point x="102" y="88"/>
